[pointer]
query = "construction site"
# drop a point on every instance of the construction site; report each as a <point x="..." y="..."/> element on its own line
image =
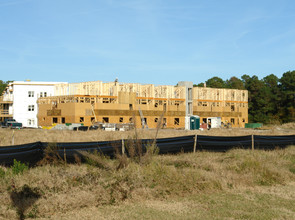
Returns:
<point x="151" y="106"/>
<point x="4" y="109"/>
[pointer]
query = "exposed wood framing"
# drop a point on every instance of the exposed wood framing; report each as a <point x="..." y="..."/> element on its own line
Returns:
<point x="4" y="109"/>
<point x="120" y="102"/>
<point x="229" y="104"/>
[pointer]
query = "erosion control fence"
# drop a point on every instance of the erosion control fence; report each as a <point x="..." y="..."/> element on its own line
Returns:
<point x="33" y="152"/>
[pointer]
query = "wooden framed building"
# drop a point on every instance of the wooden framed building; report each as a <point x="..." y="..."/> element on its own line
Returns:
<point x="5" y="109"/>
<point x="229" y="104"/>
<point x="115" y="102"/>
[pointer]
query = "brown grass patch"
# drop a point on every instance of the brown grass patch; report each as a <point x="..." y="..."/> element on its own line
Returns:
<point x="74" y="188"/>
<point x="34" y="135"/>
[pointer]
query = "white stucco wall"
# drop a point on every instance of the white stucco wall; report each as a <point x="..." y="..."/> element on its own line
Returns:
<point x="22" y="101"/>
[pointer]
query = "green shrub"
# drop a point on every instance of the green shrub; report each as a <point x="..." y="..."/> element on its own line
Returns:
<point x="2" y="172"/>
<point x="18" y="167"/>
<point x="291" y="169"/>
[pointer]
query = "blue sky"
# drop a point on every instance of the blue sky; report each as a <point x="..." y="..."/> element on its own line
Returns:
<point x="145" y="41"/>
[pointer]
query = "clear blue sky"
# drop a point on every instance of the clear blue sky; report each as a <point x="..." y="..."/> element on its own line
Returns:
<point x="145" y="41"/>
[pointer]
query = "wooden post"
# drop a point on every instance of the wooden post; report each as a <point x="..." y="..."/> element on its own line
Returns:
<point x="123" y="147"/>
<point x="252" y="142"/>
<point x="195" y="143"/>
<point x="65" y="156"/>
<point x="12" y="138"/>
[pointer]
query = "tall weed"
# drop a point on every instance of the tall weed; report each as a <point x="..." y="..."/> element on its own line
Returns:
<point x="2" y="172"/>
<point x="97" y="159"/>
<point x="51" y="156"/>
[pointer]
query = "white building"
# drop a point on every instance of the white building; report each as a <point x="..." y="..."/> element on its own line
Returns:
<point x="20" y="100"/>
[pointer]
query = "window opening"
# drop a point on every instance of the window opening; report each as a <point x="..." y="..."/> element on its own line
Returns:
<point x="105" y="120"/>
<point x="145" y="121"/>
<point x="54" y="120"/>
<point x="232" y="121"/>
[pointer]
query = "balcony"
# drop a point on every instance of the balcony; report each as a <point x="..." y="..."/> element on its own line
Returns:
<point x="5" y="113"/>
<point x="6" y="100"/>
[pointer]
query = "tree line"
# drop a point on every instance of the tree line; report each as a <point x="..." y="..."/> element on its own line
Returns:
<point x="271" y="99"/>
<point x="3" y="85"/>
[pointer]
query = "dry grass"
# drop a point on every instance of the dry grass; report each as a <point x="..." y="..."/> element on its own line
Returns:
<point x="34" y="135"/>
<point x="239" y="184"/>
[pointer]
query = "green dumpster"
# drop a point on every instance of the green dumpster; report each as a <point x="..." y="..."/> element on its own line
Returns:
<point x="253" y="125"/>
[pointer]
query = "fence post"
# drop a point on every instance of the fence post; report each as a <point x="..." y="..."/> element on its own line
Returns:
<point x="195" y="143"/>
<point x="12" y="138"/>
<point x="123" y="147"/>
<point x="252" y="142"/>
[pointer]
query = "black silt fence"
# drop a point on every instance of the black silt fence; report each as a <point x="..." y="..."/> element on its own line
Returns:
<point x="70" y="150"/>
<point x="33" y="152"/>
<point x="176" y="144"/>
<point x="222" y="144"/>
<point x="272" y="142"/>
<point x="26" y="153"/>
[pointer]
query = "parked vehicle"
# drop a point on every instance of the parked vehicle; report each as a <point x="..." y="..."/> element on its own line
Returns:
<point x="6" y="121"/>
<point x="12" y="123"/>
<point x="16" y="125"/>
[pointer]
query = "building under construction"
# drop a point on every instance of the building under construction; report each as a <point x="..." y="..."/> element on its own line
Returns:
<point x="165" y="106"/>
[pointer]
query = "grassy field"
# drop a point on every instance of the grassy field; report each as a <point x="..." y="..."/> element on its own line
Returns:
<point x="34" y="135"/>
<point x="239" y="184"/>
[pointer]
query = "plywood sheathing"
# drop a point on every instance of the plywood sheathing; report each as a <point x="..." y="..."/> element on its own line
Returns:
<point x="121" y="101"/>
<point x="229" y="104"/>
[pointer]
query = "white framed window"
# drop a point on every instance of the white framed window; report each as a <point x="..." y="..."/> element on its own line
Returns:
<point x="31" y="93"/>
<point x="41" y="94"/>
<point x="31" y="108"/>
<point x="45" y="94"/>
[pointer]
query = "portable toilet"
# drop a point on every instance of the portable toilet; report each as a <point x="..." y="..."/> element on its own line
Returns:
<point x="194" y="122"/>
